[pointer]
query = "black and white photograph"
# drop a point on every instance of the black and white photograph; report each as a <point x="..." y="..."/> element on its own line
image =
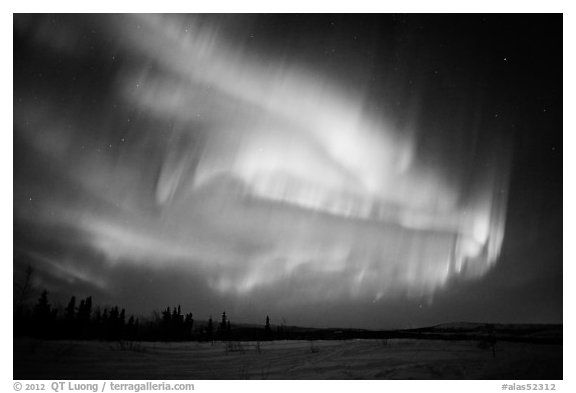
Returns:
<point x="287" y="196"/>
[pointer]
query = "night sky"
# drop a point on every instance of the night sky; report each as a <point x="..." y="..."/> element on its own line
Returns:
<point x="371" y="171"/>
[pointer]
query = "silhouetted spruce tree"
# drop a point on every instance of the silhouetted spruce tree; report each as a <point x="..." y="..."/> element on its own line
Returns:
<point x="71" y="309"/>
<point x="165" y="325"/>
<point x="121" y="324"/>
<point x="96" y="330"/>
<point x="136" y="331"/>
<point x="210" y="328"/>
<point x="113" y="328"/>
<point x="86" y="317"/>
<point x="178" y="332"/>
<point x="69" y="318"/>
<point x="267" y="329"/>
<point x="79" y="322"/>
<point x="223" y="322"/>
<point x="83" y="317"/>
<point x="44" y="317"/>
<point x="130" y="331"/>
<point x="189" y="325"/>
<point x="87" y="308"/>
<point x="42" y="309"/>
<point x="103" y="326"/>
<point x="166" y="316"/>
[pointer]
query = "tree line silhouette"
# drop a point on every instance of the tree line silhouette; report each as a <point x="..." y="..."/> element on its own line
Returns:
<point x="82" y="321"/>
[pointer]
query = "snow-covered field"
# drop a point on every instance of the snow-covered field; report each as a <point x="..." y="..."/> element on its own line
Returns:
<point x="351" y="359"/>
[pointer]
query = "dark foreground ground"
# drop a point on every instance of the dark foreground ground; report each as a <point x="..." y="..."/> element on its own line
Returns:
<point x="394" y="358"/>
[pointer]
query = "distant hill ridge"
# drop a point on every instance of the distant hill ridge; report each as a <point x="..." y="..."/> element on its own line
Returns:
<point x="535" y="333"/>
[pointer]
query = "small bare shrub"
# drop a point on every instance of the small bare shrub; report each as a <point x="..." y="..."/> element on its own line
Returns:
<point x="131" y="346"/>
<point x="234" y="346"/>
